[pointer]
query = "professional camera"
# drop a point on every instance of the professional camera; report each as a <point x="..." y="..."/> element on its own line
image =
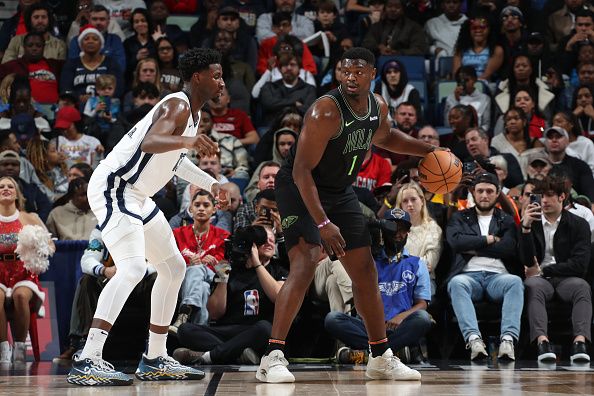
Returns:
<point x="238" y="248"/>
<point x="380" y="231"/>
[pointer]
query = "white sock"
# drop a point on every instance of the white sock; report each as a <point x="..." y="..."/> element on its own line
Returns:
<point x="206" y="358"/>
<point x="507" y="337"/>
<point x="473" y="337"/>
<point x="94" y="346"/>
<point x="157" y="345"/>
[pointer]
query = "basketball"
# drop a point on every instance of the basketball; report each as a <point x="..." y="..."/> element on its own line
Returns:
<point x="440" y="171"/>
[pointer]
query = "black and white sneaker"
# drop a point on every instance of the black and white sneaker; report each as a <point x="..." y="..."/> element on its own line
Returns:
<point x="96" y="372"/>
<point x="579" y="353"/>
<point x="545" y="352"/>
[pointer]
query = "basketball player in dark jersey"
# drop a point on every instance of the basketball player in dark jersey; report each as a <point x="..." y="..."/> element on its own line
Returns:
<point x="318" y="207"/>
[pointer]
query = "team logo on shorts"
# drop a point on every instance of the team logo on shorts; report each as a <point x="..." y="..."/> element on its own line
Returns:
<point x="289" y="221"/>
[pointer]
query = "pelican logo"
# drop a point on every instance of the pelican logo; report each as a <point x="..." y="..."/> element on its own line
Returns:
<point x="398" y="213"/>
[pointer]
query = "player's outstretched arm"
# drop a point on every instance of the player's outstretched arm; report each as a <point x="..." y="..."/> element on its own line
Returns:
<point x="396" y="141"/>
<point x="321" y="123"/>
<point x="169" y="122"/>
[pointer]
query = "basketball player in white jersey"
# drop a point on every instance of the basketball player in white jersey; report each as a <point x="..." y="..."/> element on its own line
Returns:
<point x="135" y="230"/>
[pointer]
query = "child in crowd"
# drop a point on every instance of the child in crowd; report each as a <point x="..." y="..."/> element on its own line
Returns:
<point x="103" y="107"/>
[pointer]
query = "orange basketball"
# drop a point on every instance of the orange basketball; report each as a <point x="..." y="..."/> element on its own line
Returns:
<point x="440" y="171"/>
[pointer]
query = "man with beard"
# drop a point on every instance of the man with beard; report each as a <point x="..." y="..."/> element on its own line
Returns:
<point x="484" y="240"/>
<point x="405" y="288"/>
<point x="514" y="35"/>
<point x="38" y="18"/>
<point x="405" y="117"/>
<point x="289" y="91"/>
<point x="561" y="22"/>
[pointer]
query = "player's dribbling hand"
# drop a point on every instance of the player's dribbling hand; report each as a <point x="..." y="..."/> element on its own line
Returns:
<point x="204" y="146"/>
<point x="333" y="242"/>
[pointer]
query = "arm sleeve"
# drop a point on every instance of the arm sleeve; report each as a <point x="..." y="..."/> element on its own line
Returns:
<point x="194" y="175"/>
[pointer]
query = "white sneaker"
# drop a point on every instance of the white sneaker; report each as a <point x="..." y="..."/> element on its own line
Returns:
<point x="5" y="352"/>
<point x="19" y="352"/>
<point x="273" y="368"/>
<point x="477" y="349"/>
<point x="389" y="366"/>
<point x="506" y="350"/>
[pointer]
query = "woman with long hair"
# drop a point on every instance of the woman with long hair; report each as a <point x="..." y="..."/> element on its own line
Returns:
<point x="72" y="218"/>
<point x="147" y="70"/>
<point x="141" y="45"/>
<point x="583" y="108"/>
<point x="525" y="99"/>
<point x="289" y="117"/>
<point x="171" y="78"/>
<point x="477" y="46"/>
<point x="21" y="285"/>
<point x="461" y="118"/>
<point x="582" y="147"/>
<point x="50" y="165"/>
<point x="395" y="89"/>
<point x="425" y="237"/>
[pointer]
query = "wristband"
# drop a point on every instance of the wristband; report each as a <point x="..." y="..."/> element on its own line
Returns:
<point x="387" y="203"/>
<point x="324" y="223"/>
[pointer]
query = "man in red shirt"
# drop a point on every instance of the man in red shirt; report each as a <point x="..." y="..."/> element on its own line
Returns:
<point x="375" y="172"/>
<point x="234" y="122"/>
<point x="43" y="74"/>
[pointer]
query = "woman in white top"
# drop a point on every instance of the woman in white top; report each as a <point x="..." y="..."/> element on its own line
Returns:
<point x="582" y="147"/>
<point x="395" y="88"/>
<point x="425" y="237"/>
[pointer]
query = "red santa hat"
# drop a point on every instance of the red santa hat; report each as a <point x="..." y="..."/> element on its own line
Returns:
<point x="88" y="29"/>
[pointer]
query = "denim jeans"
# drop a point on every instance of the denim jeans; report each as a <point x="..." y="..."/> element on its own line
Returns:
<point x="351" y="330"/>
<point x="469" y="287"/>
<point x="195" y="290"/>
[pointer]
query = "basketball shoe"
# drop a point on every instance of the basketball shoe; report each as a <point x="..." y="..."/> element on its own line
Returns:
<point x="273" y="368"/>
<point x="390" y="367"/>
<point x="164" y="368"/>
<point x="95" y="372"/>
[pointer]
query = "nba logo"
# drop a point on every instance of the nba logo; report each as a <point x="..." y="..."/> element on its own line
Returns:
<point x="252" y="302"/>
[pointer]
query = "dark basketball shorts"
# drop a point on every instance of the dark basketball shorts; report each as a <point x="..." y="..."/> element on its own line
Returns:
<point x="342" y="209"/>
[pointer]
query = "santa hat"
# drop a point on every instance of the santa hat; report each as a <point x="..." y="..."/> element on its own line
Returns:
<point x="88" y="29"/>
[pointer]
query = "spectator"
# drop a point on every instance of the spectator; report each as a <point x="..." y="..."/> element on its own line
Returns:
<point x="222" y="219"/>
<point x="425" y="235"/>
<point x="332" y="284"/>
<point x="43" y="74"/>
<point x="38" y="19"/>
<point x="242" y="306"/>
<point x="538" y="165"/>
<point x="576" y="204"/>
<point x="250" y="211"/>
<point x="581" y="36"/>
<point x="140" y="45"/>
<point x="97" y="269"/>
<point x="15" y="25"/>
<point x="290" y="91"/>
<point x="121" y="12"/>
<point x="22" y="117"/>
<point x="514" y="36"/>
<point x="203" y="246"/>
<point x="562" y="22"/>
<point x="443" y="30"/>
<point x="583" y="108"/>
<point x="405" y="118"/>
<point x="405" y="312"/>
<point x="477" y="144"/>
<point x="103" y="109"/>
<point x="171" y="79"/>
<point x="80" y="73"/>
<point x="485" y="264"/>
<point x="72" y="218"/>
<point x="477" y="46"/>
<point x="538" y="50"/>
<point x="428" y="134"/>
<point x="50" y="167"/>
<point x="206" y="24"/>
<point x="461" y="118"/>
<point x="111" y="44"/>
<point x="556" y="142"/>
<point x="35" y="200"/>
<point x="159" y="13"/>
<point x="301" y="26"/>
<point x="234" y="194"/>
<point x="290" y="118"/>
<point x="249" y="11"/>
<point x="525" y="99"/>
<point x="555" y="248"/>
<point x="77" y="146"/>
<point x="23" y="286"/>
<point x="83" y="18"/>
<point x="80" y="170"/>
<point x="467" y="94"/>
<point x="359" y="17"/>
<point x="145" y="96"/>
<point x="581" y="146"/>
<point x="328" y="21"/>
<point x="232" y="121"/>
<point x="395" y="88"/>
<point x="375" y="172"/>
<point x="515" y="139"/>
<point x="147" y="71"/>
<point x="395" y="34"/>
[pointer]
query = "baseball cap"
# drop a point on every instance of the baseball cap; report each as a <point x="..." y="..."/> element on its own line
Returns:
<point x="8" y="155"/>
<point x="557" y="130"/>
<point x="486" y="177"/>
<point x="228" y="10"/>
<point x="512" y="10"/>
<point x="66" y="116"/>
<point x="539" y="156"/>
<point x="535" y="37"/>
<point x="397" y="214"/>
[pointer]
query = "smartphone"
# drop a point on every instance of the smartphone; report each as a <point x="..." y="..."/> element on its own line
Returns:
<point x="266" y="213"/>
<point x="468" y="167"/>
<point x="535" y="199"/>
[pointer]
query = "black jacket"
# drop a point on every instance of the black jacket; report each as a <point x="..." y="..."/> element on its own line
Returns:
<point x="571" y="247"/>
<point x="464" y="235"/>
<point x="580" y="174"/>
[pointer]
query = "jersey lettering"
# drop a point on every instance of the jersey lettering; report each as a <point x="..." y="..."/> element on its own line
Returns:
<point x="358" y="141"/>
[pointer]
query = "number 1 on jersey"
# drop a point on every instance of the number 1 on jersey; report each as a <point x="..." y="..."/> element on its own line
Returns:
<point x="353" y="165"/>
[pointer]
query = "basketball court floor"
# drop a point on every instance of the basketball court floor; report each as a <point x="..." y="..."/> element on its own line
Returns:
<point x="439" y="378"/>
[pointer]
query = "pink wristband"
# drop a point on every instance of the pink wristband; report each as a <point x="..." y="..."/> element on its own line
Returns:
<point x="323" y="223"/>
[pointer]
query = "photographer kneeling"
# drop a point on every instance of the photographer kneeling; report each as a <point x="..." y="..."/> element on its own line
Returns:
<point x="241" y="305"/>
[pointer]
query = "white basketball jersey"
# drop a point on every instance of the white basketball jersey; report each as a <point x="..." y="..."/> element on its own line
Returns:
<point x="145" y="172"/>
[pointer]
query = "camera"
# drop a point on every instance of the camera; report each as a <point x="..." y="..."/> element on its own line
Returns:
<point x="238" y="248"/>
<point x="380" y="231"/>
